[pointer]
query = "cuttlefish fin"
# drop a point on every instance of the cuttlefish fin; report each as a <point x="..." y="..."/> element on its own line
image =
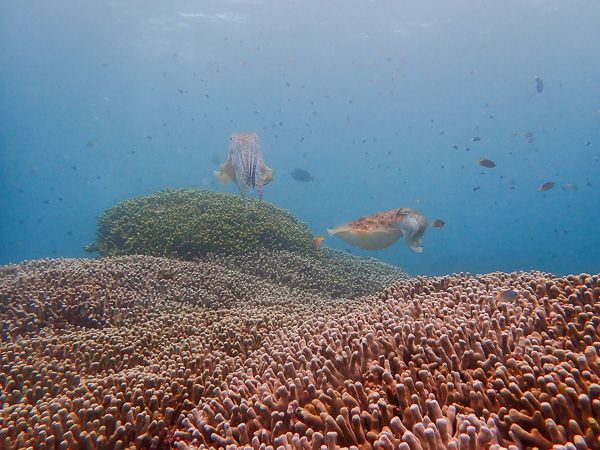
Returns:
<point x="366" y="239"/>
<point x="267" y="174"/>
<point x="222" y="177"/>
<point x="226" y="174"/>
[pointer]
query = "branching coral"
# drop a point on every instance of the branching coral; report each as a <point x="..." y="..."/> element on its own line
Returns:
<point x="429" y="363"/>
<point x="331" y="272"/>
<point x="188" y="224"/>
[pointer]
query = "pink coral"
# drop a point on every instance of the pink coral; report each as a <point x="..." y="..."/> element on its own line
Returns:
<point x="198" y="356"/>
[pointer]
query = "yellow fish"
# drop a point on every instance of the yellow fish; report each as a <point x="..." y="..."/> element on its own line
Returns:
<point x="381" y="230"/>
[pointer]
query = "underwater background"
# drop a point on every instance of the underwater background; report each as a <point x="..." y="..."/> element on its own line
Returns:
<point x="387" y="104"/>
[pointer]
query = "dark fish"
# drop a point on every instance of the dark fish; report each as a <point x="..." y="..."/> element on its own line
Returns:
<point x="437" y="223"/>
<point x="302" y="175"/>
<point x="90" y="144"/>
<point x="530" y="141"/>
<point x="539" y="84"/>
<point x="547" y="186"/>
<point x="476" y="138"/>
<point x="486" y="163"/>
<point x="508" y="295"/>
<point x="527" y="134"/>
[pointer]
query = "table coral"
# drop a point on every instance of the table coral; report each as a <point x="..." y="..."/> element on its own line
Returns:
<point x="197" y="355"/>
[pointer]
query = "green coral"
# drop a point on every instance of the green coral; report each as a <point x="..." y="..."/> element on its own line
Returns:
<point x="188" y="224"/>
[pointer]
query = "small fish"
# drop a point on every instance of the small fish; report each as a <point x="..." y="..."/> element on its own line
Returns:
<point x="91" y="144"/>
<point x="547" y="186"/>
<point x="539" y="84"/>
<point x="438" y="223"/>
<point x="476" y="188"/>
<point x="530" y="141"/>
<point x="486" y="163"/>
<point x="476" y="138"/>
<point x="508" y="295"/>
<point x="302" y="175"/>
<point x="527" y="134"/>
<point x="571" y="187"/>
<point x="316" y="243"/>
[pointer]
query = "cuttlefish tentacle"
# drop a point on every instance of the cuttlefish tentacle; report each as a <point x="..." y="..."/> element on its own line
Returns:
<point x="381" y="230"/>
<point x="245" y="165"/>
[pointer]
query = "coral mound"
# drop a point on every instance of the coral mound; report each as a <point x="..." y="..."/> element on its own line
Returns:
<point x="196" y="355"/>
<point x="188" y="224"/>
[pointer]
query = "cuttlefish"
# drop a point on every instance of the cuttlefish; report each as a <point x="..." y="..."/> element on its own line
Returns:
<point x="381" y="230"/>
<point x="244" y="165"/>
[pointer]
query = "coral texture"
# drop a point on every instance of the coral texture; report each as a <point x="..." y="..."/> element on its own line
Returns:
<point x="330" y="272"/>
<point x="143" y="352"/>
<point x="189" y="224"/>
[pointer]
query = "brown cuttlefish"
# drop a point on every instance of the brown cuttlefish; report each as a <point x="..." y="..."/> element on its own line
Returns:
<point x="244" y="165"/>
<point x="381" y="230"/>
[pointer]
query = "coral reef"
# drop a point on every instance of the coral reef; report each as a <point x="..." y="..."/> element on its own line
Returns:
<point x="196" y="355"/>
<point x="328" y="271"/>
<point x="188" y="224"/>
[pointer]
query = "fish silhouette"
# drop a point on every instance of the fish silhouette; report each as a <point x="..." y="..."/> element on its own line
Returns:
<point x="244" y="165"/>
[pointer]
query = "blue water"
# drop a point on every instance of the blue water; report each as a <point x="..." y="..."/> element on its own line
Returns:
<point x="104" y="101"/>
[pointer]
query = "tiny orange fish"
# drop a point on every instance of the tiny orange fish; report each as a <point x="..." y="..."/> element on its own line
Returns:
<point x="546" y="186"/>
<point x="316" y="243"/>
<point x="486" y="163"/>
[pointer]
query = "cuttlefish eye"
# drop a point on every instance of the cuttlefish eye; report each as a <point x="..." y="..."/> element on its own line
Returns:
<point x="405" y="211"/>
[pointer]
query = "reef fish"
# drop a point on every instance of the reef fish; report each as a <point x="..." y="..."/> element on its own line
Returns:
<point x="546" y="186"/>
<point x="508" y="295"/>
<point x="539" y="84"/>
<point x="302" y="175"/>
<point x="438" y="223"/>
<point x="244" y="165"/>
<point x="381" y="230"/>
<point x="316" y="243"/>
<point x="486" y="163"/>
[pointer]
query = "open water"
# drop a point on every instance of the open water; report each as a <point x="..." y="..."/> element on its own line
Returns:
<point x="386" y="103"/>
